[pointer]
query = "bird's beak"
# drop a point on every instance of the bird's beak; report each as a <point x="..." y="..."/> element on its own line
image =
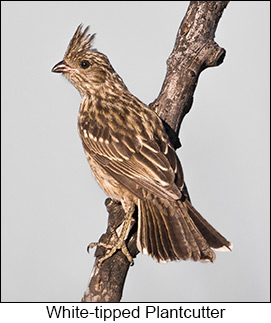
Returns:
<point x="61" y="67"/>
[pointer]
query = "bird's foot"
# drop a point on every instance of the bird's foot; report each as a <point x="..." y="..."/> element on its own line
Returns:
<point x="118" y="242"/>
<point x="111" y="249"/>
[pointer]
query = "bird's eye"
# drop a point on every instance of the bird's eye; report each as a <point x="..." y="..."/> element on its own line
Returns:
<point x="85" y="64"/>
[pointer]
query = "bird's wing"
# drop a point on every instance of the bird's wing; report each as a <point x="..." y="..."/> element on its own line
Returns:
<point x="141" y="164"/>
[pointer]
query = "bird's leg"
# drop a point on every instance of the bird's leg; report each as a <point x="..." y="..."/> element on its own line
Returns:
<point x="119" y="238"/>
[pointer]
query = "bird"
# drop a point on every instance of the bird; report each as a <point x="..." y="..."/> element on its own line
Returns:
<point x="134" y="162"/>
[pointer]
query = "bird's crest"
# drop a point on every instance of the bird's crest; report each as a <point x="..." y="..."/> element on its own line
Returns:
<point x="80" y="43"/>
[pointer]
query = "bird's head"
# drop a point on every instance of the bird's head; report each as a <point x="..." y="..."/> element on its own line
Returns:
<point x="83" y="66"/>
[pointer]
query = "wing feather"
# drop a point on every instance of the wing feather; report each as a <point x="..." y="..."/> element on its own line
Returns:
<point x="138" y="162"/>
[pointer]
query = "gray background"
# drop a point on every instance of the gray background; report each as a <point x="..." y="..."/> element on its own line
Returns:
<point x="51" y="205"/>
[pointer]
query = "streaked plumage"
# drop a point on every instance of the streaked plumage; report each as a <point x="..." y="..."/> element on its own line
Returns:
<point x="132" y="159"/>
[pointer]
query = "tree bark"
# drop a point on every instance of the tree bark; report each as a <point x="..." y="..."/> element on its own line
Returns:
<point x="194" y="50"/>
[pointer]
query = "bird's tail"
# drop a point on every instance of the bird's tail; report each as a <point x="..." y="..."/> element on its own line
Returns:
<point x="174" y="230"/>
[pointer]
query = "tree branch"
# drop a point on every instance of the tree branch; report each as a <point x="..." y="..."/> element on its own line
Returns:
<point x="194" y="50"/>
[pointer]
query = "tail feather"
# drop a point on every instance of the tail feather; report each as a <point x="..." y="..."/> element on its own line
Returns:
<point x="214" y="238"/>
<point x="176" y="236"/>
<point x="205" y="252"/>
<point x="175" y="230"/>
<point x="192" y="234"/>
<point x="152" y="231"/>
<point x="153" y="237"/>
<point x="161" y="237"/>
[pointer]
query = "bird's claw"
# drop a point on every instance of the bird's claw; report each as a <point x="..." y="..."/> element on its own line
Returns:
<point x="111" y="249"/>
